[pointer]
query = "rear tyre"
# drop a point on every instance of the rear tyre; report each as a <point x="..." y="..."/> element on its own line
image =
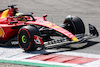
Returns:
<point x="74" y="24"/>
<point x="26" y="38"/>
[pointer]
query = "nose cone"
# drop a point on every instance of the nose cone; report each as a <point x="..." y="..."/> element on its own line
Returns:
<point x="75" y="39"/>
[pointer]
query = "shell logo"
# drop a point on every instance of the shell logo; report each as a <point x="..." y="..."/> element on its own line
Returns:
<point x="1" y="32"/>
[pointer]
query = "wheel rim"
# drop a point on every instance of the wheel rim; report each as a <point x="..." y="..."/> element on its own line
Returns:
<point x="24" y="39"/>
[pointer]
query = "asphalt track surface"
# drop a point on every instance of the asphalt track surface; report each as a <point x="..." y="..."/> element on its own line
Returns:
<point x="57" y="10"/>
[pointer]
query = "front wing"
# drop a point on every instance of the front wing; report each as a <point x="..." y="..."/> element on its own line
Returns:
<point x="81" y="37"/>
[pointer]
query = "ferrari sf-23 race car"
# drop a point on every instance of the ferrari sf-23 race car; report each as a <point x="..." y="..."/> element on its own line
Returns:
<point x="33" y="32"/>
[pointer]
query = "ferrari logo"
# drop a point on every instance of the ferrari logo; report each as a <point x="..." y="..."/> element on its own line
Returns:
<point x="1" y="32"/>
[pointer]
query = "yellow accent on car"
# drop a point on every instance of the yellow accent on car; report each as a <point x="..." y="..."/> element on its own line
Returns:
<point x="1" y="32"/>
<point x="75" y="39"/>
<point x="28" y="24"/>
<point x="18" y="14"/>
<point x="49" y="24"/>
<point x="4" y="14"/>
<point x="56" y="26"/>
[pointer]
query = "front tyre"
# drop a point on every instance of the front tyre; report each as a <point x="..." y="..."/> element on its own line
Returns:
<point x="74" y="24"/>
<point x="26" y="38"/>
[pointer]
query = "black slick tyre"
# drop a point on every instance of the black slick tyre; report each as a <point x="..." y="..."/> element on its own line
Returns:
<point x="26" y="38"/>
<point x="74" y="24"/>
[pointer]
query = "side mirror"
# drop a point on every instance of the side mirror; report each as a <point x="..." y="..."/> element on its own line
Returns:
<point x="44" y="16"/>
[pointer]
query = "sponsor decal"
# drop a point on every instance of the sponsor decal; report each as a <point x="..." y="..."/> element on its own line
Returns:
<point x="52" y="25"/>
<point x="14" y="42"/>
<point x="38" y="40"/>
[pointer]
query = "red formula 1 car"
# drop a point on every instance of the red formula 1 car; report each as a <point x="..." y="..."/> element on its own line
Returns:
<point x="32" y="32"/>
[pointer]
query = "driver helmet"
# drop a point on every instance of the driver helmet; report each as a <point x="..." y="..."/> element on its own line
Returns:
<point x="20" y="18"/>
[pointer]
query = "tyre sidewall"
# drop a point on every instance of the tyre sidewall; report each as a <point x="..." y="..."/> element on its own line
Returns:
<point x="29" y="32"/>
